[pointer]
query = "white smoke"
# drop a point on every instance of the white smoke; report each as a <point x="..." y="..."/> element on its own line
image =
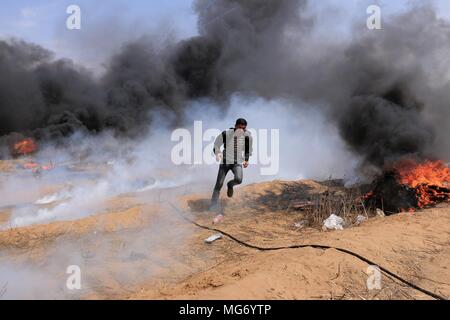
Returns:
<point x="93" y="169"/>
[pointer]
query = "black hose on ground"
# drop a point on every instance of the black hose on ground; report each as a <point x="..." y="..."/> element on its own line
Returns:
<point x="314" y="246"/>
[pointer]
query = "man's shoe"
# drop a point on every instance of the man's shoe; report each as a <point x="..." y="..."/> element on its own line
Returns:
<point x="218" y="219"/>
<point x="230" y="192"/>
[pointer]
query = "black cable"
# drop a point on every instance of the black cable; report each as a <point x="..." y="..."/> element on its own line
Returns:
<point x="315" y="246"/>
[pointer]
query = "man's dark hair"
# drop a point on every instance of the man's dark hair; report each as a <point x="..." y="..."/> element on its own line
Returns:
<point x="241" y="121"/>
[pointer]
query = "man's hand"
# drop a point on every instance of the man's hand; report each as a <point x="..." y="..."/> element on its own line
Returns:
<point x="245" y="164"/>
<point x="219" y="157"/>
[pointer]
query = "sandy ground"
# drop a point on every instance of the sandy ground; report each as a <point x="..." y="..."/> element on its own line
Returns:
<point x="141" y="248"/>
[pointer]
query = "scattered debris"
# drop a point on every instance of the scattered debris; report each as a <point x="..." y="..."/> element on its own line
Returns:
<point x="48" y="167"/>
<point x="30" y="165"/>
<point x="360" y="219"/>
<point x="301" y="224"/>
<point x="380" y="213"/>
<point x="302" y="205"/>
<point x="213" y="238"/>
<point x="333" y="222"/>
<point x="37" y="168"/>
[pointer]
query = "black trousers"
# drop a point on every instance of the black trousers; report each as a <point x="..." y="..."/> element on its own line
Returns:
<point x="223" y="170"/>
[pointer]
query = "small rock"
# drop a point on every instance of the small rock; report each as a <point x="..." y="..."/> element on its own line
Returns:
<point x="301" y="224"/>
<point x="380" y="213"/>
<point x="360" y="219"/>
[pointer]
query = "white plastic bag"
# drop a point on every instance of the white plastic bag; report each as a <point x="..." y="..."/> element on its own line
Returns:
<point x="333" y="222"/>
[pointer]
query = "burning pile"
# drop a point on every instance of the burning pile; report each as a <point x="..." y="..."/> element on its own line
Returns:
<point x="24" y="147"/>
<point x="411" y="185"/>
<point x="430" y="179"/>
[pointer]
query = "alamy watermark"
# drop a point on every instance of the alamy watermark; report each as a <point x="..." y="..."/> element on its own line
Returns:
<point x="197" y="147"/>
<point x="374" y="19"/>
<point x="73" y="281"/>
<point x="73" y="21"/>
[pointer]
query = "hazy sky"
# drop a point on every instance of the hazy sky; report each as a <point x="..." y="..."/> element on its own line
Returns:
<point x="106" y="24"/>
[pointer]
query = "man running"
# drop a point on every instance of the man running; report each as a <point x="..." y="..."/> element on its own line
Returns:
<point x="237" y="145"/>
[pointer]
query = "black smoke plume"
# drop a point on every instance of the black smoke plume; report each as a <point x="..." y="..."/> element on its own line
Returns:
<point x="386" y="90"/>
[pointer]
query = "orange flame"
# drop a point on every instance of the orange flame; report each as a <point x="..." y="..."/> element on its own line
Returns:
<point x="430" y="179"/>
<point x="24" y="147"/>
